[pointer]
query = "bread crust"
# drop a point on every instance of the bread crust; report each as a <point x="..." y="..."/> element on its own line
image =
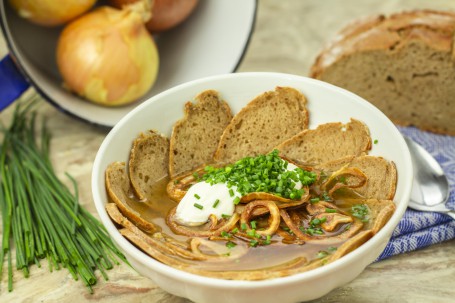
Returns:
<point x="382" y="32"/>
<point x="327" y="142"/>
<point x="195" y="137"/>
<point x="418" y="91"/>
<point x="266" y="121"/>
<point x="148" y="162"/>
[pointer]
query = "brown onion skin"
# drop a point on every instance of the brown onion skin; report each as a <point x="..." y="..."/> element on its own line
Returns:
<point x="108" y="57"/>
<point x="51" y="12"/>
<point x="166" y="14"/>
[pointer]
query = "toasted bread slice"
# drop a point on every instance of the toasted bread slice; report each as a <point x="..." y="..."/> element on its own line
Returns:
<point x="265" y="122"/>
<point x="148" y="162"/>
<point x="327" y="142"/>
<point x="119" y="190"/>
<point x="195" y="138"/>
<point x="378" y="214"/>
<point x="381" y="175"/>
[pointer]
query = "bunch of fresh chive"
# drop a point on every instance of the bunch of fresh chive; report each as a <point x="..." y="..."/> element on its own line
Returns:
<point x="264" y="173"/>
<point x="41" y="217"/>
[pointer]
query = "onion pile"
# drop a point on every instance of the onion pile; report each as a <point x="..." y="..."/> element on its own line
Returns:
<point x="108" y="55"/>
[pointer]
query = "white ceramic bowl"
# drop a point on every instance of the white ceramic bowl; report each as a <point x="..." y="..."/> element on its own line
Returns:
<point x="326" y="103"/>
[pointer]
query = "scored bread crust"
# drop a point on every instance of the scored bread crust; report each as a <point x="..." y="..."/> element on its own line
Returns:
<point x="266" y="121"/>
<point x="402" y="63"/>
<point x="196" y="136"/>
<point x="148" y="162"/>
<point x="327" y="142"/>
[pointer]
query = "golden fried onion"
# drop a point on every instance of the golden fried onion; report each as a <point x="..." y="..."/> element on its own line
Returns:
<point x="225" y="226"/>
<point x="274" y="216"/>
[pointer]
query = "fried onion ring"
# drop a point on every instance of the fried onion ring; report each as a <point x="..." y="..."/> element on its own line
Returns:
<point x="225" y="226"/>
<point x="228" y="254"/>
<point x="345" y="177"/>
<point x="274" y="218"/>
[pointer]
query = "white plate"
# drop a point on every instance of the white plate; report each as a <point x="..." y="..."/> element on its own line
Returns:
<point x="211" y="42"/>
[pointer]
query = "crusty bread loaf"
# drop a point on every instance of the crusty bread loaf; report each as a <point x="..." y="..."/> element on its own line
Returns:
<point x="327" y="142"/>
<point x="266" y="121"/>
<point x="195" y="138"/>
<point x="403" y="64"/>
<point x="381" y="175"/>
<point x="119" y="190"/>
<point x="148" y="162"/>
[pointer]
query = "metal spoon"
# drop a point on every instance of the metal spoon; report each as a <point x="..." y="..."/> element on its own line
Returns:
<point x="430" y="189"/>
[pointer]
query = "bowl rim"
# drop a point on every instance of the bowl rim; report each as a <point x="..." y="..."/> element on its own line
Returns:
<point x="186" y="277"/>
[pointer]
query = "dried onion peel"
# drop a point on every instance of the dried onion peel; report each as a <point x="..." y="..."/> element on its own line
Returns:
<point x="108" y="57"/>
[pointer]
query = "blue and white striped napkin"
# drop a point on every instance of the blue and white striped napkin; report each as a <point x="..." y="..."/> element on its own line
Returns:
<point x="420" y="229"/>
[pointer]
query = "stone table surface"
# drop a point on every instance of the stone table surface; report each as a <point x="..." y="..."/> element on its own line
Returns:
<point x="287" y="36"/>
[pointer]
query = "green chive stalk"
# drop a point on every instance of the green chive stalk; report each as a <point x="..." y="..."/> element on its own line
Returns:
<point x="41" y="217"/>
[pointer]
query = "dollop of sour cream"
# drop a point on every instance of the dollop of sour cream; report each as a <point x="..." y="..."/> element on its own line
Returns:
<point x="203" y="200"/>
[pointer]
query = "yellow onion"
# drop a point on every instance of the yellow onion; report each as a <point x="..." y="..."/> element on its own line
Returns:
<point x="166" y="14"/>
<point x="51" y="12"/>
<point x="108" y="57"/>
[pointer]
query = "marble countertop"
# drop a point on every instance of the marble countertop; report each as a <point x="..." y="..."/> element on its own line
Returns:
<point x="288" y="35"/>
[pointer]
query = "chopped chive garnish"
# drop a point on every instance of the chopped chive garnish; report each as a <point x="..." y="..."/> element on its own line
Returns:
<point x="376" y="141"/>
<point x="234" y="231"/>
<point x="197" y="196"/>
<point x="251" y="233"/>
<point x="254" y="243"/>
<point x="314" y="200"/>
<point x="331" y="248"/>
<point x="197" y="205"/>
<point x="243" y="226"/>
<point x="330" y="210"/>
<point x="360" y="211"/>
<point x="253" y="224"/>
<point x="326" y="196"/>
<point x="236" y="200"/>
<point x="264" y="173"/>
<point x="217" y="201"/>
<point x="224" y="216"/>
<point x="322" y="254"/>
<point x="225" y="234"/>
<point x="230" y="244"/>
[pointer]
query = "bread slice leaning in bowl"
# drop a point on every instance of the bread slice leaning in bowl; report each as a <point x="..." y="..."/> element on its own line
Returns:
<point x="148" y="162"/>
<point x="196" y="136"/>
<point x="327" y="142"/>
<point x="403" y="64"/>
<point x="381" y="175"/>
<point x="265" y="122"/>
<point x="119" y="191"/>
